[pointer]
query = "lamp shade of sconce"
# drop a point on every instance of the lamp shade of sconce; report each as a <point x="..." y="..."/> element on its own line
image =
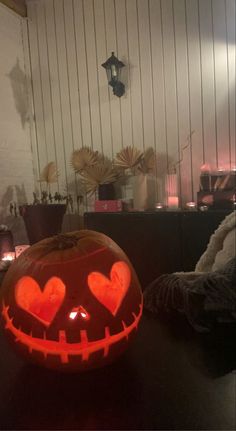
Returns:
<point x="113" y="68"/>
<point x="71" y="302"/>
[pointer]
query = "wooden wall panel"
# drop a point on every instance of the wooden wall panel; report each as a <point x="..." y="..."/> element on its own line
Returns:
<point x="115" y="102"/>
<point x="104" y="99"/>
<point x="231" y="70"/>
<point x="184" y="128"/>
<point x="135" y="74"/>
<point x="221" y="82"/>
<point x="208" y="82"/>
<point x="179" y="78"/>
<point x="55" y="95"/>
<point x="123" y="54"/>
<point x="159" y="100"/>
<point x="195" y="90"/>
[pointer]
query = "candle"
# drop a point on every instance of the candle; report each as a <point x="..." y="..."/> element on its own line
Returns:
<point x="191" y="205"/>
<point x="159" y="206"/>
<point x="173" y="202"/>
<point x="8" y="255"/>
<point x="6" y="260"/>
<point x="203" y="208"/>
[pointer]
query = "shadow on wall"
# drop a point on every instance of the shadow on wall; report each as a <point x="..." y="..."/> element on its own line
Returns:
<point x="14" y="222"/>
<point x="18" y="82"/>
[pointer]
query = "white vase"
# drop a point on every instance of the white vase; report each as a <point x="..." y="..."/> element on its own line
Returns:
<point x="144" y="192"/>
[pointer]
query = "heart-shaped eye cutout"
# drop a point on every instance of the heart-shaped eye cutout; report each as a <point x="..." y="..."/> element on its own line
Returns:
<point x="111" y="292"/>
<point x="41" y="304"/>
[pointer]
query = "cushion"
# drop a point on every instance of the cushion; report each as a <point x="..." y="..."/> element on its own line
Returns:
<point x="205" y="298"/>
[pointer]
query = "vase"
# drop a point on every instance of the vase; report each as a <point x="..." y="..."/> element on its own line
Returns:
<point x="42" y="221"/>
<point x="144" y="190"/>
<point x="106" y="192"/>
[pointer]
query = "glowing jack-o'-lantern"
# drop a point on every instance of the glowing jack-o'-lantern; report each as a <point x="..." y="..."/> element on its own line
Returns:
<point x="71" y="302"/>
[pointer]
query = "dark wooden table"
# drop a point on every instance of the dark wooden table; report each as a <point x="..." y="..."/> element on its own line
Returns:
<point x="170" y="378"/>
<point x="158" y="242"/>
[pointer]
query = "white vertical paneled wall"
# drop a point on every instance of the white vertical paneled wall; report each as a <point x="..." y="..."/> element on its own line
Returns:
<point x="16" y="164"/>
<point x="179" y="78"/>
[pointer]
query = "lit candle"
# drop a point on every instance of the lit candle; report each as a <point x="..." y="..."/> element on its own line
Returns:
<point x="6" y="259"/>
<point x="159" y="206"/>
<point x="173" y="202"/>
<point x="203" y="208"/>
<point x="191" y="205"/>
<point x="8" y="256"/>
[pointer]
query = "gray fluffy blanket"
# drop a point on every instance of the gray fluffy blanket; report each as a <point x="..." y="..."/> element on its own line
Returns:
<point x="205" y="298"/>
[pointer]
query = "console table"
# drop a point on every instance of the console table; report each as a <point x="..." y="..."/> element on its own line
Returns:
<point x="158" y="242"/>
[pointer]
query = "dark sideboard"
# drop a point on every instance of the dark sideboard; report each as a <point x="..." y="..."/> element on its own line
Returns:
<point x="158" y="242"/>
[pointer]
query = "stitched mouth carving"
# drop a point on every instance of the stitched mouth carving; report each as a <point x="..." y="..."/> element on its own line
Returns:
<point x="62" y="348"/>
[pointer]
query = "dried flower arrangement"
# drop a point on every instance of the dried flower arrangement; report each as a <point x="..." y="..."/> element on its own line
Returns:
<point x="128" y="158"/>
<point x="134" y="161"/>
<point x="49" y="175"/>
<point x="93" y="168"/>
<point x="174" y="165"/>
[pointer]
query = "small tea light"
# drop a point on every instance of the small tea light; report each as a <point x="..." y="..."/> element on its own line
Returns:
<point x="6" y="259"/>
<point x="159" y="206"/>
<point x="203" y="208"/>
<point x="191" y="205"/>
<point x="8" y="256"/>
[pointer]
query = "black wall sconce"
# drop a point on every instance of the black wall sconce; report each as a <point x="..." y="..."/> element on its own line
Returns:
<point x="113" y="68"/>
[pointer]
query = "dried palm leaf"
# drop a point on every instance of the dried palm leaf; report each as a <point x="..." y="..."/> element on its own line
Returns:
<point x="83" y="158"/>
<point x="49" y="174"/>
<point x="147" y="164"/>
<point x="128" y="157"/>
<point x="101" y="173"/>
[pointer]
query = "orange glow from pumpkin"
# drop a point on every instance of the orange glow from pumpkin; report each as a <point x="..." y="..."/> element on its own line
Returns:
<point x="43" y="305"/>
<point x="73" y="315"/>
<point x="79" y="311"/>
<point x="110" y="292"/>
<point x="62" y="348"/>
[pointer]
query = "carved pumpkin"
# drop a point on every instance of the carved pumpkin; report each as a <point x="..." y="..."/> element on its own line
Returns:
<point x="72" y="301"/>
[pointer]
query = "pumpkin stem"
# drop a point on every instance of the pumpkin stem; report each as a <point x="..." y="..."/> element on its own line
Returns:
<point x="62" y="242"/>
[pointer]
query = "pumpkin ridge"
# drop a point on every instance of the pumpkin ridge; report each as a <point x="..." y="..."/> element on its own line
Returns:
<point x="65" y="262"/>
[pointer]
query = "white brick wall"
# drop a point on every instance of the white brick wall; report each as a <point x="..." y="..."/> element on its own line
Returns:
<point x="16" y="165"/>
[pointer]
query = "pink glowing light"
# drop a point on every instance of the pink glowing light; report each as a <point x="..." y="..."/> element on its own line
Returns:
<point x="173" y="201"/>
<point x="8" y="256"/>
